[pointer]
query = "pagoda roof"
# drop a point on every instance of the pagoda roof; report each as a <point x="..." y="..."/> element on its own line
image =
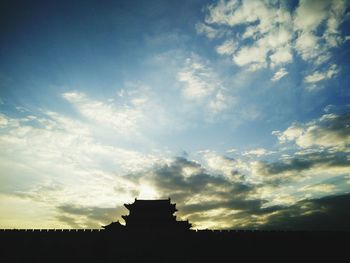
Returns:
<point x="149" y="203"/>
<point x="158" y="201"/>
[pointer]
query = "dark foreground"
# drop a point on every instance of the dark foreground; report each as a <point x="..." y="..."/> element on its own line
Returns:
<point x="191" y="246"/>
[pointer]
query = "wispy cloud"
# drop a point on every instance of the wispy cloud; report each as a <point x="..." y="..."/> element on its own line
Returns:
<point x="257" y="152"/>
<point x="208" y="31"/>
<point x="124" y="118"/>
<point x="201" y="84"/>
<point x="317" y="76"/>
<point x="200" y="81"/>
<point x="279" y="74"/>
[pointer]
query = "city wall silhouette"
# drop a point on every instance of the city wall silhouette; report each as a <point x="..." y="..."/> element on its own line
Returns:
<point x="96" y="245"/>
<point x="152" y="234"/>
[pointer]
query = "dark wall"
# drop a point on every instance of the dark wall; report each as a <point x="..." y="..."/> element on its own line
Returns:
<point x="191" y="246"/>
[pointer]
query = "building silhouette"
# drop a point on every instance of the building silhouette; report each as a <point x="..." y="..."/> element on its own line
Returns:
<point x="150" y="215"/>
<point x="152" y="234"/>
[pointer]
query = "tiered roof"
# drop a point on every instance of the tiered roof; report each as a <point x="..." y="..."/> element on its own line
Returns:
<point x="152" y="215"/>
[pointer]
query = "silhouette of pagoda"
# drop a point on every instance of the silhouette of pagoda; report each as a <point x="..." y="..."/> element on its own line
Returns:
<point x="151" y="215"/>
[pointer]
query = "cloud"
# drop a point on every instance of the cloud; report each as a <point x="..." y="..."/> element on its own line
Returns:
<point x="327" y="213"/>
<point x="262" y="34"/>
<point x="319" y="151"/>
<point x="199" y="80"/>
<point x="58" y="167"/>
<point x="325" y="188"/>
<point x="309" y="14"/>
<point x="208" y="31"/>
<point x="203" y="86"/>
<point x="88" y="217"/>
<point x="301" y="165"/>
<point x="231" y="168"/>
<point x="254" y="57"/>
<point x="279" y="74"/>
<point x="227" y="48"/>
<point x="62" y="166"/>
<point x="123" y="118"/>
<point x="215" y="201"/>
<point x="3" y="120"/>
<point x="55" y="150"/>
<point x="215" y="195"/>
<point x="200" y="193"/>
<point x="281" y="55"/>
<point x="257" y="152"/>
<point x="330" y="130"/>
<point x="317" y="76"/>
<point x="268" y="38"/>
<point x="221" y="102"/>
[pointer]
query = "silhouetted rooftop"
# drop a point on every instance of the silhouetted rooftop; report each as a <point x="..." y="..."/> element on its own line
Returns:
<point x="151" y="205"/>
<point x="151" y="215"/>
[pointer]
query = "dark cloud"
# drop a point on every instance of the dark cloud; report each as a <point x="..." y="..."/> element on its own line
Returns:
<point x="301" y="162"/>
<point x="202" y="192"/>
<point x="327" y="213"/>
<point x="233" y="204"/>
<point x="171" y="178"/>
<point x="337" y="125"/>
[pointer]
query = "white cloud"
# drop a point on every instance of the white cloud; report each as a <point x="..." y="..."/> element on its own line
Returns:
<point x="41" y="151"/>
<point x="67" y="139"/>
<point x="272" y="32"/>
<point x="293" y="132"/>
<point x="221" y="102"/>
<point x="257" y="152"/>
<point x="254" y="57"/>
<point x="308" y="20"/>
<point x="279" y="74"/>
<point x="230" y="168"/>
<point x="330" y="130"/>
<point x="227" y="48"/>
<point x="325" y="188"/>
<point x="233" y="13"/>
<point x="281" y="55"/>
<point x="268" y="36"/>
<point x="309" y="14"/>
<point x="208" y="31"/>
<point x="328" y="108"/>
<point x="203" y="86"/>
<point x="199" y="80"/>
<point x="121" y="117"/>
<point x="317" y="76"/>
<point x="233" y="150"/>
<point x="129" y="116"/>
<point x="3" y="120"/>
<point x="307" y="45"/>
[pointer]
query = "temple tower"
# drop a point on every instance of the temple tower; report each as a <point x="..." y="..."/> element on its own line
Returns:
<point x="151" y="215"/>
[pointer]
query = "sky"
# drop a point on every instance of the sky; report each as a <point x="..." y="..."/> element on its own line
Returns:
<point x="239" y="111"/>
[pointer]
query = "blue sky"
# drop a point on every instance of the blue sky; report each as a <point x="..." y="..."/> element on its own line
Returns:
<point x="238" y="110"/>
